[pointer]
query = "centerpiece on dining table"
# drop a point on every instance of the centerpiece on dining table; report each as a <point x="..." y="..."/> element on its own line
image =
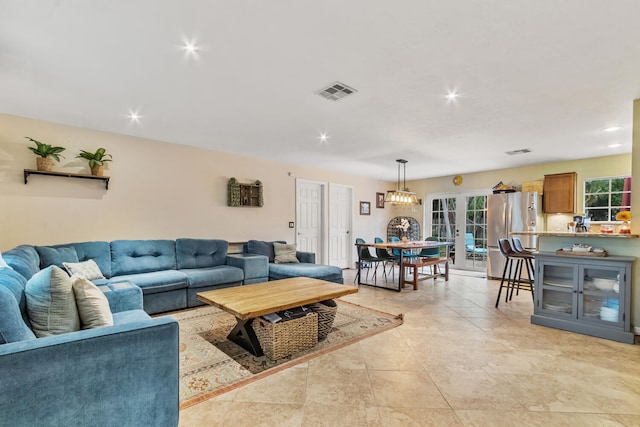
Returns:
<point x="404" y="226"/>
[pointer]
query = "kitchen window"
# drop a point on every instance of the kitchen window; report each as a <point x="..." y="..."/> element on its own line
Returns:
<point x="605" y="197"/>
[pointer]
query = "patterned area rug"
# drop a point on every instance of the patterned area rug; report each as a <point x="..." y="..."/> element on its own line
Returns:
<point x="211" y="365"/>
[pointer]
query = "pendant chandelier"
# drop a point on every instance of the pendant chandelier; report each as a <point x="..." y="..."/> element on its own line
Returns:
<point x="404" y="196"/>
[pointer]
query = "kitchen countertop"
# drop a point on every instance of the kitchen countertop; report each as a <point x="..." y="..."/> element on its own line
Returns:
<point x="566" y="234"/>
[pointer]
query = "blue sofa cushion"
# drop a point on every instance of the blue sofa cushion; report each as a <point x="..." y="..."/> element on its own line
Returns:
<point x="142" y="256"/>
<point x="317" y="271"/>
<point x="50" y="255"/>
<point x="122" y="296"/>
<point x="15" y="282"/>
<point x="212" y="276"/>
<point x="201" y="253"/>
<point x="24" y="259"/>
<point x="155" y="281"/>
<point x="13" y="322"/>
<point x="98" y="251"/>
<point x="259" y="247"/>
<point x="130" y="316"/>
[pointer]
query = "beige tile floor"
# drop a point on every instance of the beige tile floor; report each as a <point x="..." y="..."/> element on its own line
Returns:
<point x="456" y="361"/>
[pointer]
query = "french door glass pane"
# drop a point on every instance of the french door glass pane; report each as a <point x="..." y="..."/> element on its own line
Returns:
<point x="476" y="226"/>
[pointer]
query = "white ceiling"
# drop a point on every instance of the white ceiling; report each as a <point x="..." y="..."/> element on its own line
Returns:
<point x="546" y="75"/>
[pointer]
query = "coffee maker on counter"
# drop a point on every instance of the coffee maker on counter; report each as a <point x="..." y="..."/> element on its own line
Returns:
<point x="582" y="223"/>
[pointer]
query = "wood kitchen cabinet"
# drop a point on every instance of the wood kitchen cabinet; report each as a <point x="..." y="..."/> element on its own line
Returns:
<point x="559" y="193"/>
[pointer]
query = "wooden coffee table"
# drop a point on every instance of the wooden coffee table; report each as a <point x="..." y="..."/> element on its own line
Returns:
<point x="250" y="301"/>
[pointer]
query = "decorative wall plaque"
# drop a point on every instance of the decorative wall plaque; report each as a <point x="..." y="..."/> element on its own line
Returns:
<point x="244" y="194"/>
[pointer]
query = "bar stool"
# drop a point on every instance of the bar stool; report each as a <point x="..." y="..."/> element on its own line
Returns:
<point x="513" y="277"/>
<point x="528" y="257"/>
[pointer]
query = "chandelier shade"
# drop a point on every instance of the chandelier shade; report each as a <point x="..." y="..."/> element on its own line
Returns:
<point x="401" y="196"/>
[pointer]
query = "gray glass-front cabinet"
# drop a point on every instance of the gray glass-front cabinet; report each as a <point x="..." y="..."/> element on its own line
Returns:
<point x="588" y="295"/>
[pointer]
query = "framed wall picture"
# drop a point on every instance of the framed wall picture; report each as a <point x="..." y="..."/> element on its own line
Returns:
<point x="365" y="208"/>
<point x="380" y="200"/>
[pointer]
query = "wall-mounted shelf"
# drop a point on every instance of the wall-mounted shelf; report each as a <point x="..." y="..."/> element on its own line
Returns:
<point x="28" y="172"/>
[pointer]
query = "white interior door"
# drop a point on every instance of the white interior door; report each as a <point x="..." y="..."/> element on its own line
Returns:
<point x="309" y="217"/>
<point x="340" y="217"/>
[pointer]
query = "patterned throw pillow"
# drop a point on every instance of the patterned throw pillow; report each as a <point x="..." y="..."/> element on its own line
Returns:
<point x="88" y="269"/>
<point x="51" y="304"/>
<point x="93" y="306"/>
<point x="285" y="253"/>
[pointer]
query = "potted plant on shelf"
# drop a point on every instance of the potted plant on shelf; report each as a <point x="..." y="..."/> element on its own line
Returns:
<point x="46" y="154"/>
<point x="96" y="160"/>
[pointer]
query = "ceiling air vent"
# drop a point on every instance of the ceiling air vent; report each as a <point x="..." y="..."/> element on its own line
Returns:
<point x="516" y="152"/>
<point x="336" y="91"/>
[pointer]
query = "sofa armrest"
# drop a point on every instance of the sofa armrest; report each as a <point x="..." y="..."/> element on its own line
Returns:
<point x="309" y="257"/>
<point x="120" y="375"/>
<point x="253" y="266"/>
<point x="122" y="296"/>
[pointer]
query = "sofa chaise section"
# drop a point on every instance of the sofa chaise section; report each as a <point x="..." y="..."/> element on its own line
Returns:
<point x="305" y="267"/>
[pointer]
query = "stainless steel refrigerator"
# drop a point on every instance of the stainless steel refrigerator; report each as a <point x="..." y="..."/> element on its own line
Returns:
<point x="509" y="212"/>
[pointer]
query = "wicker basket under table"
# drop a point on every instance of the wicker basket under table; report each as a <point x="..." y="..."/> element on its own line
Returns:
<point x="326" y="316"/>
<point x="282" y="339"/>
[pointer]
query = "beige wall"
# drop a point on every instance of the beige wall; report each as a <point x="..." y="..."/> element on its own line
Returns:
<point x="157" y="190"/>
<point x="587" y="168"/>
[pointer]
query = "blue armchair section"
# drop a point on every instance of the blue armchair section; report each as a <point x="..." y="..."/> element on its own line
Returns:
<point x="125" y="374"/>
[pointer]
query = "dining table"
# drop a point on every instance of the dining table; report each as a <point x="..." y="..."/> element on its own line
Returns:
<point x="406" y="249"/>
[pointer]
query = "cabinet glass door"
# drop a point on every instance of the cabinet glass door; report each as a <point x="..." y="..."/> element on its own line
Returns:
<point x="600" y="294"/>
<point x="558" y="291"/>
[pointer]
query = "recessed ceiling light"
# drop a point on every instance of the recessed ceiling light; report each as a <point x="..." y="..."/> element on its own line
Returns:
<point x="452" y="95"/>
<point x="134" y="116"/>
<point x="615" y="145"/>
<point x="612" y="129"/>
<point x="323" y="137"/>
<point x="191" y="47"/>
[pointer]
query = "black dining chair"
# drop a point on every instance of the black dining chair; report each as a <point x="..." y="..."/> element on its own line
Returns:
<point x="367" y="260"/>
<point x="386" y="257"/>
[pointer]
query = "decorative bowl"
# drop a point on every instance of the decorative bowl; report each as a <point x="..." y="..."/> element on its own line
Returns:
<point x="604" y="284"/>
<point x="581" y="248"/>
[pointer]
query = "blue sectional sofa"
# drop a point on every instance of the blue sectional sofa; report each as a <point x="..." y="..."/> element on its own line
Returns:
<point x="120" y="375"/>
<point x="305" y="266"/>
<point x="125" y="374"/>
<point x="170" y="273"/>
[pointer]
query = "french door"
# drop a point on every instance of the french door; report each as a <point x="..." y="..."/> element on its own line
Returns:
<point x="460" y="218"/>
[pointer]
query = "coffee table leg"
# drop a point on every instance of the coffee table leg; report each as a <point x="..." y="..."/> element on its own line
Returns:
<point x="243" y="335"/>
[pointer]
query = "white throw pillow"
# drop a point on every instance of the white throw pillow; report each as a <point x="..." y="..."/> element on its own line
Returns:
<point x="93" y="306"/>
<point x="87" y="269"/>
<point x="51" y="304"/>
